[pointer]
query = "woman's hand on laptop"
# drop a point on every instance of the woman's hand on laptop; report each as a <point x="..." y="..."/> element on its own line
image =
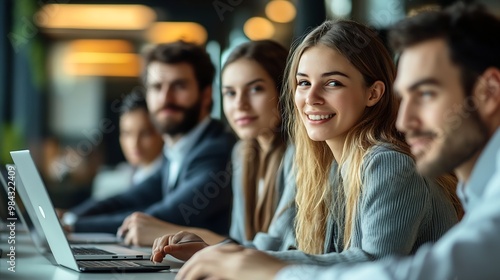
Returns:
<point x="182" y="245"/>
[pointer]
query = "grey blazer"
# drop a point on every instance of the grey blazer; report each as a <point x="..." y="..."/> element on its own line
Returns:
<point x="399" y="211"/>
<point x="238" y="227"/>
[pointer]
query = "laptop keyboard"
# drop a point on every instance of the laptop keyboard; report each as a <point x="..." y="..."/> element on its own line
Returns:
<point x="111" y="264"/>
<point x="90" y="251"/>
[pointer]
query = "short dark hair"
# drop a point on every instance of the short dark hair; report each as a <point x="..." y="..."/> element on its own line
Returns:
<point x="133" y="101"/>
<point x="469" y="31"/>
<point x="179" y="52"/>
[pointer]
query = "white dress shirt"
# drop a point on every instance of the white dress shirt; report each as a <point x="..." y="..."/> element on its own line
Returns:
<point x="470" y="250"/>
<point x="177" y="152"/>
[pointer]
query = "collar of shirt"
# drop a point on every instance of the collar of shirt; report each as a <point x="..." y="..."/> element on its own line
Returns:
<point x="176" y="153"/>
<point x="182" y="147"/>
<point x="471" y="192"/>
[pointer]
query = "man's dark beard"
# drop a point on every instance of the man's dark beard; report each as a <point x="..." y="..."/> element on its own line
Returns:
<point x="459" y="146"/>
<point x="189" y="121"/>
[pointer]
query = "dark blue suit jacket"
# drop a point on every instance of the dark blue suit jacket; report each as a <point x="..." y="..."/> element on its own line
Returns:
<point x="201" y="196"/>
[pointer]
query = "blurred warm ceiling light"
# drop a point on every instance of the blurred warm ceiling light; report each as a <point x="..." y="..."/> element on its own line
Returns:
<point x="94" y="45"/>
<point x="167" y="32"/>
<point x="101" y="58"/>
<point x="280" y="11"/>
<point x="102" y="64"/>
<point x="103" y="17"/>
<point x="258" y="28"/>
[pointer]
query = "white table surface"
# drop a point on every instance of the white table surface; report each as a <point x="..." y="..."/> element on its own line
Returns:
<point x="32" y="265"/>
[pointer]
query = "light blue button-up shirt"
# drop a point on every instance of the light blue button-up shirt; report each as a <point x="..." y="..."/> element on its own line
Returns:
<point x="470" y="250"/>
<point x="177" y="152"/>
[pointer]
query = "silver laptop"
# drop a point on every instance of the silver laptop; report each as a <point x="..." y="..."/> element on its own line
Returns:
<point x="35" y="231"/>
<point x="33" y="193"/>
<point x="32" y="226"/>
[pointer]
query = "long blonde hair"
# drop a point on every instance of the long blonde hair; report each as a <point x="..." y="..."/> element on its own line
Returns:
<point x="313" y="161"/>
